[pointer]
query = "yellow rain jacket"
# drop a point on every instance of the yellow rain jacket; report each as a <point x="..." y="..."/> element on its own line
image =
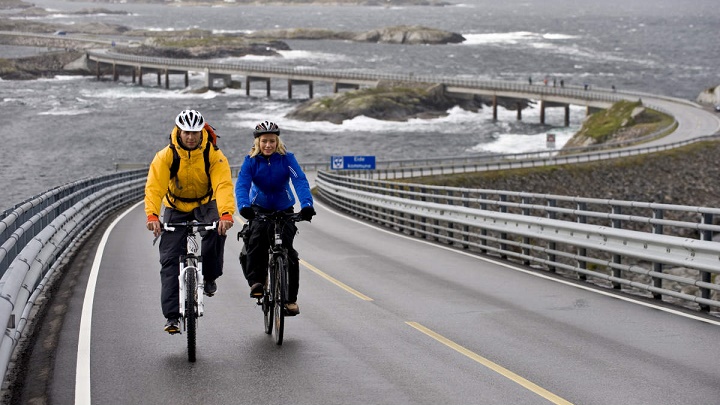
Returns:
<point x="190" y="188"/>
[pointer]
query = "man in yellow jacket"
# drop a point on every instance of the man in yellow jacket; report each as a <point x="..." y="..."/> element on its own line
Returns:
<point x="191" y="178"/>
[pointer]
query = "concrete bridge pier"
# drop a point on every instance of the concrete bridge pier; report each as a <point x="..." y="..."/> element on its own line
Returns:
<point x="115" y="73"/>
<point x="337" y="86"/>
<point x="250" y="79"/>
<point x="567" y="115"/>
<point x="542" y="111"/>
<point x="212" y="77"/>
<point x="140" y="74"/>
<point x="519" y="111"/>
<point x="494" y="108"/>
<point x="292" y="82"/>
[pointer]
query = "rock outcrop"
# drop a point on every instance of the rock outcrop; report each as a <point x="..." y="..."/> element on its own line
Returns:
<point x="388" y="101"/>
<point x="709" y="96"/>
<point x="403" y="34"/>
<point x="410" y="35"/>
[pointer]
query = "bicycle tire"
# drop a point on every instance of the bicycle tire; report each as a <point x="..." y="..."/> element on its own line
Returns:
<point x="280" y="292"/>
<point x="191" y="312"/>
<point x="267" y="303"/>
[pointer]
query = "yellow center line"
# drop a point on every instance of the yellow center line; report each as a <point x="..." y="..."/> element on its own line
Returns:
<point x="492" y="366"/>
<point x="335" y="281"/>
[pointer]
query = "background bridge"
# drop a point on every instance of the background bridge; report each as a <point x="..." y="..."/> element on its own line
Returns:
<point x="219" y="75"/>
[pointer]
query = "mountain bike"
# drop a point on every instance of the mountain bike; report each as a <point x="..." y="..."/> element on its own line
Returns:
<point x="191" y="279"/>
<point x="275" y="292"/>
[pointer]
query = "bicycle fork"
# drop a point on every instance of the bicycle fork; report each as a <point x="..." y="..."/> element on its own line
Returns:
<point x="200" y="285"/>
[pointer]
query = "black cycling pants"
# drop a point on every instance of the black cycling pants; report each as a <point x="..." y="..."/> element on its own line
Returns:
<point x="254" y="258"/>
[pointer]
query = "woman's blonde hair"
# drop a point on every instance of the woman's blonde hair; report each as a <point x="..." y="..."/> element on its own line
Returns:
<point x="255" y="150"/>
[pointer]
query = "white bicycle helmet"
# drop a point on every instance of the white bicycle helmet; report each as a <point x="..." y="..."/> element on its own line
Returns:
<point x="266" y="127"/>
<point x="190" y="120"/>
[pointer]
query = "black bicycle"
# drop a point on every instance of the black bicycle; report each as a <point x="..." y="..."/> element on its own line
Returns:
<point x="191" y="279"/>
<point x="275" y="291"/>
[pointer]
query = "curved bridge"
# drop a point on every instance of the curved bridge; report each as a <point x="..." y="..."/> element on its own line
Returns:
<point x="547" y="96"/>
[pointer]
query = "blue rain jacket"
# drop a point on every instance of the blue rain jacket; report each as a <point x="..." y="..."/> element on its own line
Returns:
<point x="265" y="181"/>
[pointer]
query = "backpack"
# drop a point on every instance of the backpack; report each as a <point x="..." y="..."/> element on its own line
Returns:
<point x="175" y="165"/>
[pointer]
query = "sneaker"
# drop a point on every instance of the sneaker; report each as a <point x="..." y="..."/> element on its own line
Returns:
<point x="292" y="309"/>
<point x="172" y="326"/>
<point x="256" y="291"/>
<point x="210" y="288"/>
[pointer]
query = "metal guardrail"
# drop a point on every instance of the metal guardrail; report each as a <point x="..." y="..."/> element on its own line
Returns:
<point x="400" y="169"/>
<point x="617" y="244"/>
<point x="40" y="233"/>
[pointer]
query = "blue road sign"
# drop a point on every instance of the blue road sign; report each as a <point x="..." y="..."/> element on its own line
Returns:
<point x="352" y="162"/>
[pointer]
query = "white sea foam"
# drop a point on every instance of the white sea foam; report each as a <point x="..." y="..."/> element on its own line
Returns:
<point x="65" y="111"/>
<point x="498" y="38"/>
<point x="126" y="92"/>
<point x="520" y="143"/>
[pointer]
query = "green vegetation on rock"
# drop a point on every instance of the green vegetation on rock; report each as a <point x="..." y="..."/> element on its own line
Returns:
<point x="626" y="121"/>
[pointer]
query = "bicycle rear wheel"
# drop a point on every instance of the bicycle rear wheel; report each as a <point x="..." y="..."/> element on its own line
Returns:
<point x="267" y="303"/>
<point x="280" y="297"/>
<point x="191" y="311"/>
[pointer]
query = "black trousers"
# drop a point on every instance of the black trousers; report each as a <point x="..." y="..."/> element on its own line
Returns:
<point x="173" y="245"/>
<point x="254" y="256"/>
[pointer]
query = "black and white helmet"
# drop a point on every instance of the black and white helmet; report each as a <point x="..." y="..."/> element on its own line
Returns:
<point x="266" y="127"/>
<point x="190" y="120"/>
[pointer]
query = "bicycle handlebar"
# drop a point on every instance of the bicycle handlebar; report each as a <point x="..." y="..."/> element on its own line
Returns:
<point x="276" y="215"/>
<point x="170" y="226"/>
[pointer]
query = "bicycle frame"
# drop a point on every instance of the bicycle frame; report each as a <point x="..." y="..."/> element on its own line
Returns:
<point x="191" y="261"/>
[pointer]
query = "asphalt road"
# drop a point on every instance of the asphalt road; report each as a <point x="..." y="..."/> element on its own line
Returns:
<point x="385" y="319"/>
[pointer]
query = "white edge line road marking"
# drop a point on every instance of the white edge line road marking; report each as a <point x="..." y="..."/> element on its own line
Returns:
<point x="506" y="265"/>
<point x="529" y="385"/>
<point x="82" y="371"/>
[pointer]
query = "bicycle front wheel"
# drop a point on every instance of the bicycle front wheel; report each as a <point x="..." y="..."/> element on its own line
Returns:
<point x="280" y="295"/>
<point x="191" y="311"/>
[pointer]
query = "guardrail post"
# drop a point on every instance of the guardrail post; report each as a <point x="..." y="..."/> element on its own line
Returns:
<point x="436" y="222"/>
<point x="423" y="192"/>
<point x="483" y="231"/>
<point x="526" y="240"/>
<point x="616" y="258"/>
<point x="450" y="233"/>
<point x="465" y="228"/>
<point x="582" y="252"/>
<point x="657" y="267"/>
<point x="704" y="275"/>
<point x="503" y="235"/>
<point x="552" y="245"/>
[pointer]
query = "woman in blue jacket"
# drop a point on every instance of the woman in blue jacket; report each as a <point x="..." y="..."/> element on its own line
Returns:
<point x="263" y="185"/>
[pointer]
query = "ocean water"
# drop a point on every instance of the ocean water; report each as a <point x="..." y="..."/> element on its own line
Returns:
<point x="62" y="129"/>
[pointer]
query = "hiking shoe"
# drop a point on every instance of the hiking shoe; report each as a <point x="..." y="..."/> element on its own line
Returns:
<point x="256" y="291"/>
<point x="292" y="309"/>
<point x="172" y="326"/>
<point x="210" y="288"/>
